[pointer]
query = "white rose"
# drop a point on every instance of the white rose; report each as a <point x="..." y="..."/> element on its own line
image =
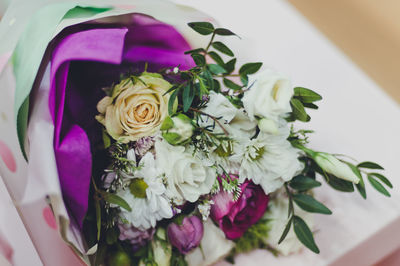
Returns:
<point x="269" y="96"/>
<point x="187" y="176"/>
<point x="214" y="247"/>
<point x="136" y="109"/>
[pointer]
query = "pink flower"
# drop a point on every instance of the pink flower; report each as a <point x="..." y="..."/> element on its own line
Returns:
<point x="186" y="236"/>
<point x="235" y="217"/>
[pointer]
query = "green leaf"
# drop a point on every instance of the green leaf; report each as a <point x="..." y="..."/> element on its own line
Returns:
<point x="304" y="234"/>
<point x="167" y="124"/>
<point x="370" y="165"/>
<point x="111" y="236"/>
<point x="188" y="96"/>
<point x="216" y="69"/>
<point x="209" y="79"/>
<point x="106" y="139"/>
<point x="217" y="58"/>
<point x="310" y="105"/>
<point x="199" y="59"/>
<point x="245" y="80"/>
<point x="222" y="48"/>
<point x="309" y="204"/>
<point x="204" y="28"/>
<point x="286" y="230"/>
<point x="115" y="199"/>
<point x="231" y="85"/>
<point x="250" y="68"/>
<point x="217" y="85"/>
<point x="302" y="183"/>
<point x="360" y="186"/>
<point x="230" y="65"/>
<point x="339" y="184"/>
<point x="198" y="50"/>
<point x="306" y="95"/>
<point x="378" y="186"/>
<point x="98" y="219"/>
<point x="383" y="179"/>
<point x="298" y="110"/>
<point x="224" y="32"/>
<point x="171" y="102"/>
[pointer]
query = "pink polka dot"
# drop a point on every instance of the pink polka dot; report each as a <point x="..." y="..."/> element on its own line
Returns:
<point x="49" y="218"/>
<point x="8" y="157"/>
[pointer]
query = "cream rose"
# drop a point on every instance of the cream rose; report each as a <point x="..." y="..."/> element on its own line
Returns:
<point x="136" y="108"/>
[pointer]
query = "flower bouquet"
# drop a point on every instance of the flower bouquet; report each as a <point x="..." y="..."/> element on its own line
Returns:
<point x="151" y="143"/>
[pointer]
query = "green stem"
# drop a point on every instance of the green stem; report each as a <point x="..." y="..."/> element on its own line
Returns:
<point x="209" y="44"/>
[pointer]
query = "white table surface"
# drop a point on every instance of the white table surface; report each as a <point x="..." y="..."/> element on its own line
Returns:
<point x="356" y="118"/>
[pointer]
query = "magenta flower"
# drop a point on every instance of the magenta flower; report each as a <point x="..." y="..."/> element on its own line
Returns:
<point x="186" y="236"/>
<point x="235" y="217"/>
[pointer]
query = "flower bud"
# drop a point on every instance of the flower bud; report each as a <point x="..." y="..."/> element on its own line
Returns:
<point x="332" y="165"/>
<point x="161" y="249"/>
<point x="187" y="235"/>
<point x="120" y="258"/>
<point x="268" y="126"/>
<point x="177" y="130"/>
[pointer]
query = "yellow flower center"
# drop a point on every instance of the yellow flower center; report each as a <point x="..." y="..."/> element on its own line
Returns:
<point x="138" y="188"/>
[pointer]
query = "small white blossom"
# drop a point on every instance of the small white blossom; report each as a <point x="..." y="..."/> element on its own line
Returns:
<point x="205" y="209"/>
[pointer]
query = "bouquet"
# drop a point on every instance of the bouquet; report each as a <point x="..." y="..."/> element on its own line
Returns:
<point x="154" y="146"/>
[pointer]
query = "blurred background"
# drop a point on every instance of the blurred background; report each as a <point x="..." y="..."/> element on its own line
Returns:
<point x="367" y="31"/>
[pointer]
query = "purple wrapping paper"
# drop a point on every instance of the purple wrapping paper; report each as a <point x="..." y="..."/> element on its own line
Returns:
<point x="87" y="58"/>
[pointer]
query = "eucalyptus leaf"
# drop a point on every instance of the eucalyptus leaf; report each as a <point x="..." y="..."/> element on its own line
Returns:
<point x="382" y="178"/>
<point x="306" y="95"/>
<point x="298" y="110"/>
<point x="250" y="68"/>
<point x="231" y="85"/>
<point x="303" y="183"/>
<point x="222" y="48"/>
<point x="309" y="204"/>
<point x="370" y="165"/>
<point x="304" y="234"/>
<point x="378" y="186"/>
<point x="115" y="199"/>
<point x="204" y="28"/>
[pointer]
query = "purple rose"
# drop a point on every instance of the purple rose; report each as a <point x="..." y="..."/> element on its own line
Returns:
<point x="235" y="217"/>
<point x="84" y="59"/>
<point x="186" y="236"/>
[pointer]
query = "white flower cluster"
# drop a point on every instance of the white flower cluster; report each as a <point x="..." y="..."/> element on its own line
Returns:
<point x="170" y="175"/>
